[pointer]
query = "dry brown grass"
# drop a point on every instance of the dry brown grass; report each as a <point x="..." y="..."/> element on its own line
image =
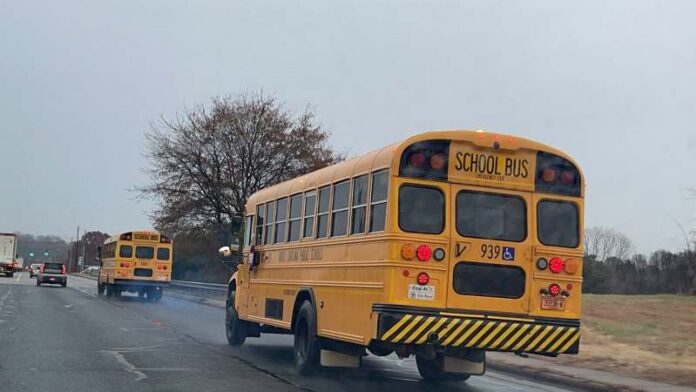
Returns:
<point x="646" y="336"/>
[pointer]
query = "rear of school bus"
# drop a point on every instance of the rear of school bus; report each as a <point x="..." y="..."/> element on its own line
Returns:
<point x="490" y="228"/>
<point x="141" y="263"/>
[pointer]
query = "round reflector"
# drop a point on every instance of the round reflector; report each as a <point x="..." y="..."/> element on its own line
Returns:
<point x="542" y="263"/>
<point x="424" y="278"/>
<point x="424" y="252"/>
<point x="554" y="289"/>
<point x="408" y="251"/>
<point x="437" y="161"/>
<point x="417" y="160"/>
<point x="548" y="175"/>
<point x="556" y="265"/>
<point x="405" y="273"/>
<point x="439" y="254"/>
<point x="571" y="266"/>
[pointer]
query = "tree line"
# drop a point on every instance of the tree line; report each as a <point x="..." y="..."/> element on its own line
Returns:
<point x="609" y="267"/>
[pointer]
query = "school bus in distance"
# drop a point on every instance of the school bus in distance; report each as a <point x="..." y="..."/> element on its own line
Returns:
<point x="443" y="246"/>
<point x="137" y="262"/>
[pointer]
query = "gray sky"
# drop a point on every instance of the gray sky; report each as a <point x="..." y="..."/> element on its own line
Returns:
<point x="612" y="83"/>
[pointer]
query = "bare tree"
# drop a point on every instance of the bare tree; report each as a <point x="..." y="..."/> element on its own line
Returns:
<point x="207" y="162"/>
<point x="605" y="242"/>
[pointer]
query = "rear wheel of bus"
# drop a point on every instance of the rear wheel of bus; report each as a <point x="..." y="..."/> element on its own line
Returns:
<point x="306" y="348"/>
<point x="100" y="288"/>
<point x="235" y="328"/>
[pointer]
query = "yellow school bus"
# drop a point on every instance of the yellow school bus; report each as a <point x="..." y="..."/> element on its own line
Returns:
<point x="443" y="246"/>
<point x="137" y="262"/>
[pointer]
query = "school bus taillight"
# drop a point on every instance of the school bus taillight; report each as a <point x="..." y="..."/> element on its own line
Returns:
<point x="571" y="266"/>
<point x="124" y="265"/>
<point x="423" y="279"/>
<point x="556" y="265"/>
<point x="554" y="289"/>
<point x="408" y="251"/>
<point x="423" y="252"/>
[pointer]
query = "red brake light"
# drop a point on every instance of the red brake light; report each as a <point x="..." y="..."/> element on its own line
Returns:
<point x="549" y="175"/>
<point x="63" y="270"/>
<point x="423" y="252"/>
<point x="567" y="177"/>
<point x="417" y="160"/>
<point x="42" y="268"/>
<point x="556" y="265"/>
<point x="424" y="278"/>
<point x="554" y="289"/>
<point x="164" y="268"/>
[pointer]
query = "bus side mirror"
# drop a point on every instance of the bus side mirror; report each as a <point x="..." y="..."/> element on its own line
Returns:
<point x="226" y="252"/>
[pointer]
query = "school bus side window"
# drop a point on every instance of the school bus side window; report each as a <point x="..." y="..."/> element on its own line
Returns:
<point x="281" y="216"/>
<point x="248" y="229"/>
<point x="125" y="251"/>
<point x="270" y="211"/>
<point x="323" y="213"/>
<point x="310" y="201"/>
<point x="358" y="215"/>
<point x="295" y="220"/>
<point x="260" y="210"/>
<point x="378" y="201"/>
<point x="339" y="211"/>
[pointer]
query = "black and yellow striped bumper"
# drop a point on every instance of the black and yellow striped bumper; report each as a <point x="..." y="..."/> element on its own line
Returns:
<point x="485" y="332"/>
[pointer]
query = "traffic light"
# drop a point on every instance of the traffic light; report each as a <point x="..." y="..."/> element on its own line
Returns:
<point x="31" y="254"/>
<point x="46" y="253"/>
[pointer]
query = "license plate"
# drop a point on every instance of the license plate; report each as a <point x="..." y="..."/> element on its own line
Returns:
<point x="416" y="291"/>
<point x="552" y="303"/>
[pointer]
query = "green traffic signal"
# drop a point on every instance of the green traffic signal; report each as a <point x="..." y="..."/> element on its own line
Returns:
<point x="31" y="254"/>
<point x="46" y="253"/>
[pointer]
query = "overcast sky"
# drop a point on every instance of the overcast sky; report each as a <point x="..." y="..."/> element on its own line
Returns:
<point x="613" y="83"/>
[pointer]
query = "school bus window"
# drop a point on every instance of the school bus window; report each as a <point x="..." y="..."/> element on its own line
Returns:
<point x="323" y="213"/>
<point x="378" y="201"/>
<point x="421" y="209"/>
<point x="125" y="251"/>
<point x="270" y="211"/>
<point x="260" y="210"/>
<point x="558" y="223"/>
<point x="491" y="216"/>
<point x="310" y="199"/>
<point x="339" y="211"/>
<point x="144" y="252"/>
<point x="295" y="220"/>
<point x="281" y="216"/>
<point x="359" y="205"/>
<point x="248" y="229"/>
<point x="163" y="254"/>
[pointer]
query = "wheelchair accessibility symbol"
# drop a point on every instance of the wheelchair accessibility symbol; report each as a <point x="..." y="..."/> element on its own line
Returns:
<point x="508" y="253"/>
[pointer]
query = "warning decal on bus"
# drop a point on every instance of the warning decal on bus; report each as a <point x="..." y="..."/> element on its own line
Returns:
<point x="416" y="291"/>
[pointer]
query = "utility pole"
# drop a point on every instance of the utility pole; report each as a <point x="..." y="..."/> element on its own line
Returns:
<point x="77" y="248"/>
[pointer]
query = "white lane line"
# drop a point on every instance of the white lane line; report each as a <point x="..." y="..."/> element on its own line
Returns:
<point x="19" y="277"/>
<point x="127" y="366"/>
<point x="124" y="329"/>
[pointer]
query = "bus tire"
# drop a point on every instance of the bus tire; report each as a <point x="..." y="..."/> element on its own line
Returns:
<point x="10" y="274"/>
<point x="306" y="347"/>
<point x="235" y="328"/>
<point x="100" y="288"/>
<point x="432" y="370"/>
<point x="38" y="282"/>
<point x="109" y="290"/>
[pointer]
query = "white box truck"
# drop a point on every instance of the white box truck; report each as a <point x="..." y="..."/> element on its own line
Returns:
<point x="8" y="252"/>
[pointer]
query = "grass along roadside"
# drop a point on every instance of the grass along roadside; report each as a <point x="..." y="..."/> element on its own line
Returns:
<point x="646" y="336"/>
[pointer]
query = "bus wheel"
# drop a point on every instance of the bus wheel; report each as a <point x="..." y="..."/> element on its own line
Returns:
<point x="432" y="370"/>
<point x="100" y="288"/>
<point x="109" y="290"/>
<point x="235" y="328"/>
<point x="154" y="294"/>
<point x="306" y="341"/>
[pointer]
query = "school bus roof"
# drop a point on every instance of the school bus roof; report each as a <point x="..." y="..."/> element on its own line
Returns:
<point x="384" y="158"/>
<point x="116" y="237"/>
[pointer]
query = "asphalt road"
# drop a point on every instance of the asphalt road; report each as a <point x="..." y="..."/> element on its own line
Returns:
<point x="70" y="339"/>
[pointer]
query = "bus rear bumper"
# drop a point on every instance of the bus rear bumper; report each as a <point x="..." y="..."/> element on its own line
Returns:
<point x="401" y="325"/>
